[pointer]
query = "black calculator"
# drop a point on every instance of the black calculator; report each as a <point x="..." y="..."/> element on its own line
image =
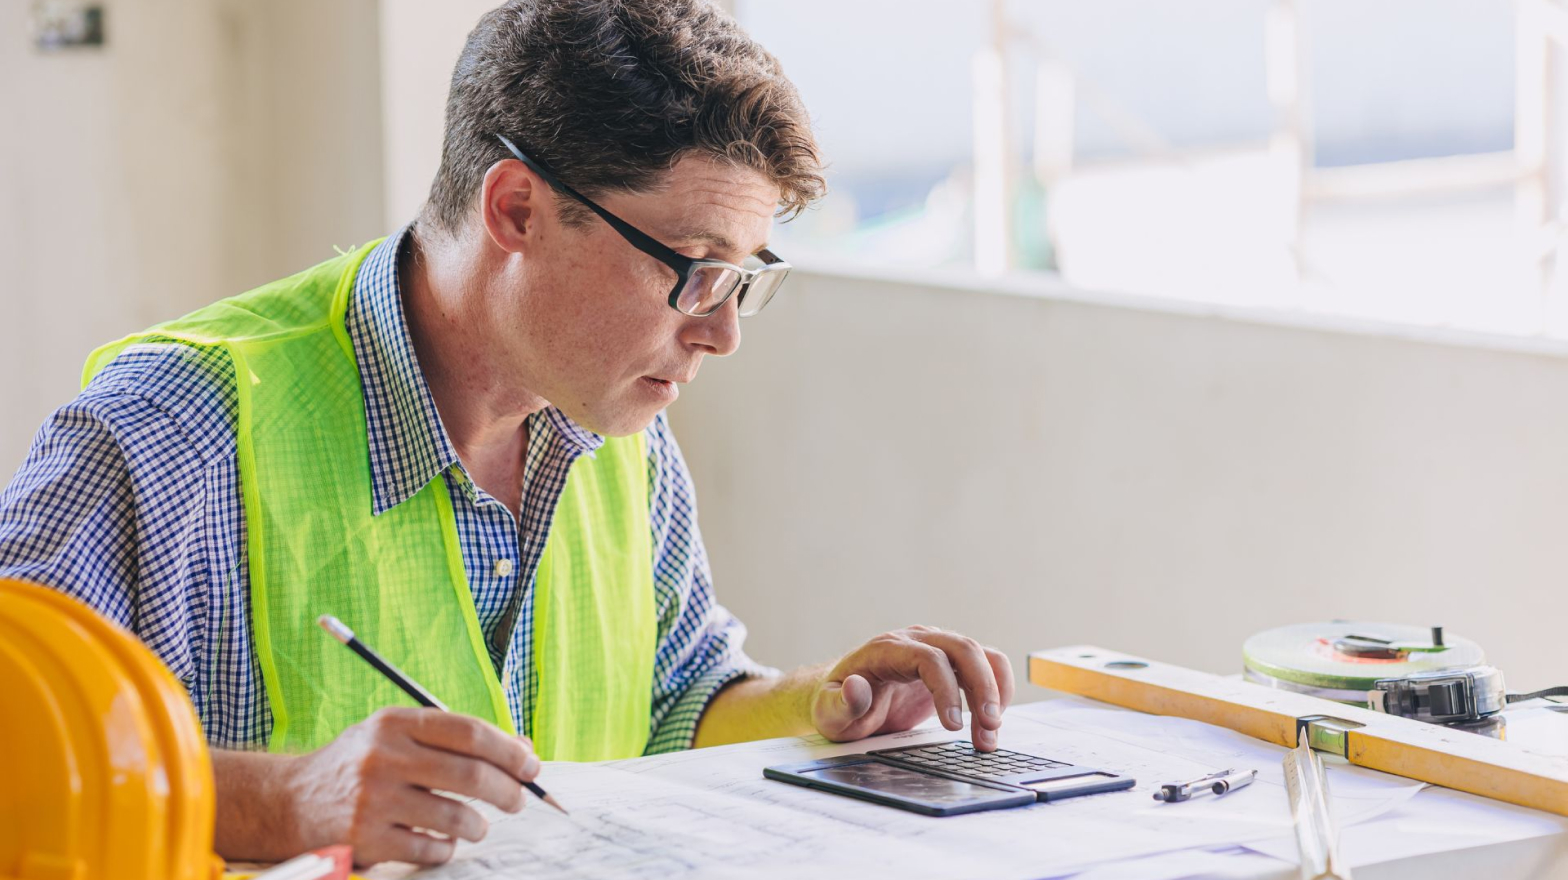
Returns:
<point x="945" y="779"/>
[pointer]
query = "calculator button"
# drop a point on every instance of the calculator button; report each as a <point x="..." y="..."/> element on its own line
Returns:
<point x="960" y="757"/>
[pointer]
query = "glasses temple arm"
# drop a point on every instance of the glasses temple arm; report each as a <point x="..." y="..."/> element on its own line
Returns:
<point x="636" y="237"/>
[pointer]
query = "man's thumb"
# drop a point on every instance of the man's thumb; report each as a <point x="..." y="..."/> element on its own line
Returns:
<point x="840" y="704"/>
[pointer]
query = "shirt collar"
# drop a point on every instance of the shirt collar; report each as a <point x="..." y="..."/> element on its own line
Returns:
<point x="409" y="446"/>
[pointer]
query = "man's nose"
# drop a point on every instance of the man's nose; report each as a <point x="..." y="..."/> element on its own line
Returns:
<point x="717" y="334"/>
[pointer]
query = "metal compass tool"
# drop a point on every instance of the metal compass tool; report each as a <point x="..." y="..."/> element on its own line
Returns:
<point x="1219" y="783"/>
<point x="1316" y="834"/>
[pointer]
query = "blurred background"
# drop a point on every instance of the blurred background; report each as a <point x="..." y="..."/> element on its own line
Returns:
<point x="1134" y="323"/>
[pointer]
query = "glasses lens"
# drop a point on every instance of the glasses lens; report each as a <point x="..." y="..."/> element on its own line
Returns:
<point x="760" y="290"/>
<point x="706" y="289"/>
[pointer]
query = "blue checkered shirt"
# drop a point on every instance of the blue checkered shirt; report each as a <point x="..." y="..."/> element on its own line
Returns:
<point x="130" y="501"/>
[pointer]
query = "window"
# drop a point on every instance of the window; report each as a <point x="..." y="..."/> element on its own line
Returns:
<point x="1397" y="160"/>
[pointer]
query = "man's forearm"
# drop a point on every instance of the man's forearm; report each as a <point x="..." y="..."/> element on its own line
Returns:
<point x="759" y="708"/>
<point x="255" y="818"/>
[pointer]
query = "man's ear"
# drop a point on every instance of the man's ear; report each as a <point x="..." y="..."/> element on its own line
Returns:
<point x="512" y="202"/>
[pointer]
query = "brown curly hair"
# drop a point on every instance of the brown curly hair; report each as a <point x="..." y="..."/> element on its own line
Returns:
<point x="611" y="94"/>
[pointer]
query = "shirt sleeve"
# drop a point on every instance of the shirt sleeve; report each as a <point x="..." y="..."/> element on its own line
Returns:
<point x="700" y="646"/>
<point x="107" y="508"/>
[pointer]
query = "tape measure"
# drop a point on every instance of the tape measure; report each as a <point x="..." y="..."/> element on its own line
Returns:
<point x="1410" y="671"/>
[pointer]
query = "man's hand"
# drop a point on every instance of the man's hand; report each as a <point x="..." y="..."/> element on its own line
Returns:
<point x="896" y="680"/>
<point x="374" y="788"/>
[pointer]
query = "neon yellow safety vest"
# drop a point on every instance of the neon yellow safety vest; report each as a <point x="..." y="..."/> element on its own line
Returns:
<point x="316" y="547"/>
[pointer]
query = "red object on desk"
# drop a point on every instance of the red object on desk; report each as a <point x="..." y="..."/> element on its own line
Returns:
<point x="342" y="861"/>
<point x="327" y="863"/>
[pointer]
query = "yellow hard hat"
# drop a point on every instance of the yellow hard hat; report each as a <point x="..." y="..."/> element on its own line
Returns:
<point x="107" y="774"/>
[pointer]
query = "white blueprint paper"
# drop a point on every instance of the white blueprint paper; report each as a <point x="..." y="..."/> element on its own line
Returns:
<point x="709" y="812"/>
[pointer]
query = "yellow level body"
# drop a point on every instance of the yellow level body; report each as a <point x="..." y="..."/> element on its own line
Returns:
<point x="1426" y="752"/>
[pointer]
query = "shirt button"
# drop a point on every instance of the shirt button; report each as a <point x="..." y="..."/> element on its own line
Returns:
<point x="503" y="567"/>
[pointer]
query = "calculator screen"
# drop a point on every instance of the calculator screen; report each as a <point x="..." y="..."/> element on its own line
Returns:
<point x="905" y="783"/>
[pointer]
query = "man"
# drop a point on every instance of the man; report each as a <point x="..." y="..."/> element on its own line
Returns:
<point x="454" y="441"/>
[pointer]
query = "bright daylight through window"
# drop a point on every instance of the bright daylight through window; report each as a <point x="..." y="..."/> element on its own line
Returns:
<point x="1397" y="160"/>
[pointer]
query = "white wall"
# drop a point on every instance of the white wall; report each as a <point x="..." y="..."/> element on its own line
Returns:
<point x="1039" y="471"/>
<point x="208" y="147"/>
<point x="420" y="42"/>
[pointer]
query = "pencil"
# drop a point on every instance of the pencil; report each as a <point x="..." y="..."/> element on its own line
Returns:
<point x="396" y="676"/>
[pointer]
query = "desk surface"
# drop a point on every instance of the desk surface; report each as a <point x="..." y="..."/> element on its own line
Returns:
<point x="708" y="813"/>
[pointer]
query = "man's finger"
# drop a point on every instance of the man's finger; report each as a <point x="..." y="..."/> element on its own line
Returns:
<point x="405" y="845"/>
<point x="979" y="683"/>
<point x="840" y="704"/>
<point x="857" y="695"/>
<point x="417" y="808"/>
<point x="440" y="770"/>
<point x="936" y="672"/>
<point x="1003" y="667"/>
<point x="464" y="735"/>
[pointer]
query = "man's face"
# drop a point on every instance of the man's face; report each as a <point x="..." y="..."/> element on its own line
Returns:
<point x="594" y="333"/>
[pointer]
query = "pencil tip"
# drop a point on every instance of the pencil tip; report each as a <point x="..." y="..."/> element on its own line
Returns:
<point x="550" y="799"/>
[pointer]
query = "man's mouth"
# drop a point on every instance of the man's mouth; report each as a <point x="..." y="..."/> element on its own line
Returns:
<point x="662" y="387"/>
<point x="674" y="378"/>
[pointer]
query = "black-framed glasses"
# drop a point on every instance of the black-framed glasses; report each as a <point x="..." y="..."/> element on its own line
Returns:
<point x="702" y="287"/>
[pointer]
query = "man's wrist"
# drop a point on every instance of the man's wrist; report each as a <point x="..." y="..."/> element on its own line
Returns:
<point x="762" y="707"/>
<point x="285" y="803"/>
<point x="258" y="816"/>
<point x="810" y="680"/>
